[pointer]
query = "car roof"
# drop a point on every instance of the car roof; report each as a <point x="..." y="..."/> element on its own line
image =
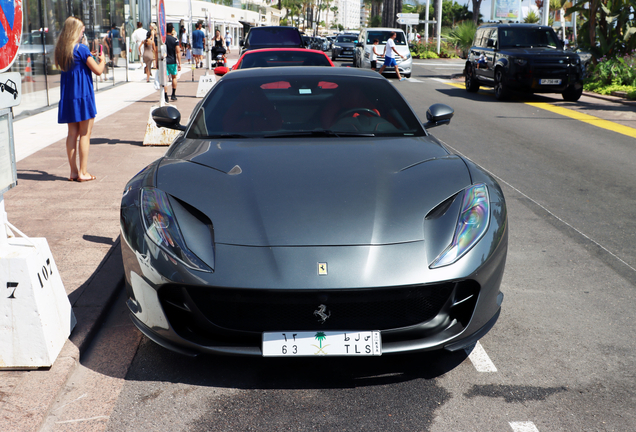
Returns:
<point x="513" y="25"/>
<point x="300" y="71"/>
<point x="384" y="29"/>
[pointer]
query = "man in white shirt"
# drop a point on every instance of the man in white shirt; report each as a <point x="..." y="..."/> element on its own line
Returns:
<point x="138" y="37"/>
<point x="389" y="56"/>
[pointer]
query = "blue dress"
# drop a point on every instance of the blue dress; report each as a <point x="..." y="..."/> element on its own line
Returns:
<point x="77" y="98"/>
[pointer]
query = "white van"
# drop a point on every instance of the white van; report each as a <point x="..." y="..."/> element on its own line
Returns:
<point x="362" y="55"/>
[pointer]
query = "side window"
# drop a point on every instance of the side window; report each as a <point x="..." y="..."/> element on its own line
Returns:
<point x="492" y="42"/>
<point x="478" y="36"/>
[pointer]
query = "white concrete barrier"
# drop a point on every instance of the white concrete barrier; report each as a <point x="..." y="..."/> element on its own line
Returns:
<point x="35" y="314"/>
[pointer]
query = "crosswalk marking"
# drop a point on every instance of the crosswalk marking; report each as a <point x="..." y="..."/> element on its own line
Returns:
<point x="480" y="359"/>
<point x="523" y="427"/>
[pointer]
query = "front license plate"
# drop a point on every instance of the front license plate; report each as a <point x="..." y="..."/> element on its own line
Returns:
<point x="322" y="343"/>
<point x="550" y="82"/>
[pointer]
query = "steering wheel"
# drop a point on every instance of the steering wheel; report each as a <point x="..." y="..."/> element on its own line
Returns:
<point x="358" y="110"/>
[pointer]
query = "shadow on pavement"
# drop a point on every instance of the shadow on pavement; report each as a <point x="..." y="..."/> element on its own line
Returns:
<point x="38" y="175"/>
<point x="115" y="141"/>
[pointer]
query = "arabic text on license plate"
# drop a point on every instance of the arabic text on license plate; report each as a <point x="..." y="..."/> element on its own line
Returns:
<point x="550" y="81"/>
<point x="322" y="343"/>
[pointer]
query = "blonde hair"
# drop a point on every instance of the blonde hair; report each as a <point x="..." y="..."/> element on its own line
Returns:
<point x="69" y="37"/>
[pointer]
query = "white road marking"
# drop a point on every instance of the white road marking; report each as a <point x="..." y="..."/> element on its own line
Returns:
<point x="480" y="359"/>
<point x="413" y="80"/>
<point x="523" y="427"/>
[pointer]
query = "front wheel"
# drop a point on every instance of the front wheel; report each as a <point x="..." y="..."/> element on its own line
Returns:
<point x="571" y="94"/>
<point x="471" y="80"/>
<point x="501" y="92"/>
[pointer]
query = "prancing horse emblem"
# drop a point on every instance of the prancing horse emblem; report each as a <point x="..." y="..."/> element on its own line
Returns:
<point x="320" y="312"/>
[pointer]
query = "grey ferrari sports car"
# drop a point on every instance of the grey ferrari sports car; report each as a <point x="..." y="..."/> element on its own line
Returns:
<point x="308" y="211"/>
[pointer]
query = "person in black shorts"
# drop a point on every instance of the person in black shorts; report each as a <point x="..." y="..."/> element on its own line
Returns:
<point x="173" y="59"/>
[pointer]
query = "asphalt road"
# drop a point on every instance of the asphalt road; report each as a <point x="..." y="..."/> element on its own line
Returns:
<point x="560" y="358"/>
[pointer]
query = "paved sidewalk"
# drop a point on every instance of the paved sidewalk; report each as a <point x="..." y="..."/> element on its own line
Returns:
<point x="80" y="222"/>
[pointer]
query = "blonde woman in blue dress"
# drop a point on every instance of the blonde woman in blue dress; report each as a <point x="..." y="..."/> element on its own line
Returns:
<point x="77" y="98"/>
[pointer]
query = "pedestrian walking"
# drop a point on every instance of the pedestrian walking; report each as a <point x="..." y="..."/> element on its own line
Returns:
<point x="147" y="52"/>
<point x="198" y="42"/>
<point x="77" y="98"/>
<point x="389" y="56"/>
<point x="173" y="59"/>
<point x="228" y="41"/>
<point x="138" y="37"/>
<point x="374" y="54"/>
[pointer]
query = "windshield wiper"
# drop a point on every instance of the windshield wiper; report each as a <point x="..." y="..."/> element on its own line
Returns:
<point x="317" y="133"/>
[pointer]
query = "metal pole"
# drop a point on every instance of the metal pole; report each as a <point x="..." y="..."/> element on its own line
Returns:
<point x="545" y="12"/>
<point x="428" y="6"/>
<point x="439" y="26"/>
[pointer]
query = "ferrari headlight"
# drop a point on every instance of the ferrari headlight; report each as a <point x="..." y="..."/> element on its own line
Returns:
<point x="162" y="228"/>
<point x="471" y="226"/>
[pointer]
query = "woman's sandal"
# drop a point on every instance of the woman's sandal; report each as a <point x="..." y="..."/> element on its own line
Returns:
<point x="85" y="180"/>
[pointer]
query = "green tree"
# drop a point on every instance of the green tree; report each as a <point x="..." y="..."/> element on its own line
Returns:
<point x="532" y="17"/>
<point x="608" y="27"/>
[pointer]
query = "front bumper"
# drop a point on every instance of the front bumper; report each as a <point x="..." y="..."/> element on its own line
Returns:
<point x="531" y="78"/>
<point x="256" y="289"/>
<point x="404" y="66"/>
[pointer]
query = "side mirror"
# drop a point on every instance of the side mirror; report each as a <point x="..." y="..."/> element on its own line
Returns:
<point x="168" y="117"/>
<point x="221" y="70"/>
<point x="438" y="115"/>
<point x="490" y="43"/>
<point x="241" y="42"/>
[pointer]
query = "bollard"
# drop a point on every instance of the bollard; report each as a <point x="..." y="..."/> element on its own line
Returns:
<point x="35" y="314"/>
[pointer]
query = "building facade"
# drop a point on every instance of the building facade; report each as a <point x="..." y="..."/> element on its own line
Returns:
<point x="43" y="20"/>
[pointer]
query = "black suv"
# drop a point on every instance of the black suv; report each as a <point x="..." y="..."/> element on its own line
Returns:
<point x="271" y="37"/>
<point x="523" y="57"/>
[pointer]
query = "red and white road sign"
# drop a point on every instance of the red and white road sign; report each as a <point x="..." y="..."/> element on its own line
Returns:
<point x="10" y="31"/>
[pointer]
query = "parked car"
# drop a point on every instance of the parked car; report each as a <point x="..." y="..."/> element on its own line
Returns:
<point x="271" y="37"/>
<point x="362" y="57"/>
<point x="308" y="211"/>
<point x="274" y="57"/>
<point x="523" y="57"/>
<point x="343" y="46"/>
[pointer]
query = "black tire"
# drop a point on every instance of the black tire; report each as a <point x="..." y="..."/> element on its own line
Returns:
<point x="501" y="92"/>
<point x="407" y="75"/>
<point x="472" y="85"/>
<point x="571" y="94"/>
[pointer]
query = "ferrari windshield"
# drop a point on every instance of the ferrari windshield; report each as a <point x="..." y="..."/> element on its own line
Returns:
<point x="299" y="57"/>
<point x="304" y="105"/>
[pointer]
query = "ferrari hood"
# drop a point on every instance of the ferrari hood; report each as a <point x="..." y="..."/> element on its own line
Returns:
<point x="313" y="192"/>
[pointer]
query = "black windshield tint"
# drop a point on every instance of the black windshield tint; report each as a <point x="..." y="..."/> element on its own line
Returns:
<point x="382" y="36"/>
<point x="254" y="59"/>
<point x="274" y="37"/>
<point x="260" y="106"/>
<point x="518" y="37"/>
